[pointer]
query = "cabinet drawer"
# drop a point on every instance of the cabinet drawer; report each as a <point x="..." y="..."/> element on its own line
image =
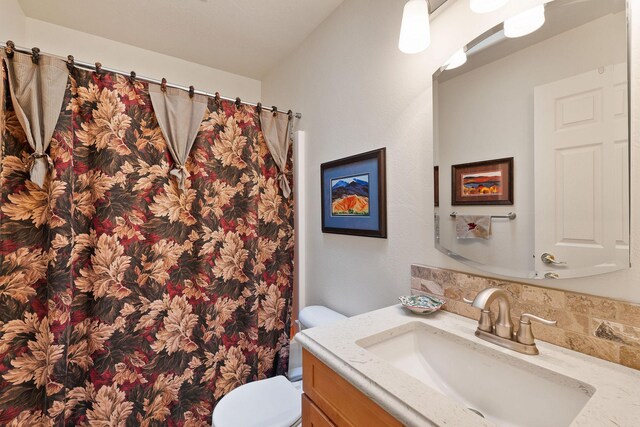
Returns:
<point x="341" y="402"/>
<point x="312" y="416"/>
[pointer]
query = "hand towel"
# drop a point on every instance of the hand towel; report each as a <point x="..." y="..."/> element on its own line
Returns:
<point x="473" y="226"/>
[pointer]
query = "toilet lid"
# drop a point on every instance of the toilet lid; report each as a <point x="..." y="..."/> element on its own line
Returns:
<point x="318" y="315"/>
<point x="273" y="402"/>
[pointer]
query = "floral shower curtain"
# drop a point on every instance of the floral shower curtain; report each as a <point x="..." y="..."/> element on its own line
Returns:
<point x="125" y="300"/>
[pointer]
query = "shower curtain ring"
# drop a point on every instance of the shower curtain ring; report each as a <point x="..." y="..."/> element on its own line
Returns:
<point x="217" y="98"/>
<point x="98" y="68"/>
<point x="259" y="107"/>
<point x="290" y="114"/>
<point x="71" y="63"/>
<point x="10" y="49"/>
<point x="238" y="102"/>
<point x="192" y="91"/>
<point x="35" y="55"/>
<point x="132" y="78"/>
<point x="274" y="110"/>
<point x="163" y="85"/>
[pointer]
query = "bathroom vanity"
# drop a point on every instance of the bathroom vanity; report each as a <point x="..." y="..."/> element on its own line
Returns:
<point x="406" y="369"/>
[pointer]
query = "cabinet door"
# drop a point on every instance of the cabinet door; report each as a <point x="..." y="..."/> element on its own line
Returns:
<point x="340" y="401"/>
<point x="312" y="416"/>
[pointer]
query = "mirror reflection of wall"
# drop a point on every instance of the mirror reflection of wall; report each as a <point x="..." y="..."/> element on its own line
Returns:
<point x="556" y="101"/>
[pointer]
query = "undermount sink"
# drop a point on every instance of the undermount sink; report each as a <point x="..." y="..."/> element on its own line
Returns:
<point x="506" y="390"/>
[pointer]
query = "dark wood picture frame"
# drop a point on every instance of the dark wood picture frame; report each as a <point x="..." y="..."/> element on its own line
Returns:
<point x="353" y="225"/>
<point x="485" y="196"/>
<point x="436" y="186"/>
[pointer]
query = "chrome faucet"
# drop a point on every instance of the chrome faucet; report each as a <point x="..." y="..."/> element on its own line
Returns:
<point x="501" y="332"/>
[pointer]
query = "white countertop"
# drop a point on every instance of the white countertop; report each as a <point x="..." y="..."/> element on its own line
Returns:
<point x="616" y="401"/>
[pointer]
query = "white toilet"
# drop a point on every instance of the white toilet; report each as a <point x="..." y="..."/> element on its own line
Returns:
<point x="273" y="402"/>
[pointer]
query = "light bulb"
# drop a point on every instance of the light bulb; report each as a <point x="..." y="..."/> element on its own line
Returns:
<point x="524" y="23"/>
<point x="456" y="60"/>
<point x="485" y="6"/>
<point x="414" y="32"/>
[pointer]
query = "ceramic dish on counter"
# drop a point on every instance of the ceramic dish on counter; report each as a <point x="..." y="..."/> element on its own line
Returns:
<point x="421" y="304"/>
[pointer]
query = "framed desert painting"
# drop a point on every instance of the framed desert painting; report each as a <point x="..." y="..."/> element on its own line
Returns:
<point x="489" y="182"/>
<point x="354" y="195"/>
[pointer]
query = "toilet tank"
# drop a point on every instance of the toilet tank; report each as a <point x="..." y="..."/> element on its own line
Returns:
<point x="317" y="315"/>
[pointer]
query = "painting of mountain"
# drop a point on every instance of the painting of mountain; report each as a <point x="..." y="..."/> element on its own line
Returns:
<point x="482" y="184"/>
<point x="350" y="196"/>
<point x="353" y="195"/>
<point x="488" y="182"/>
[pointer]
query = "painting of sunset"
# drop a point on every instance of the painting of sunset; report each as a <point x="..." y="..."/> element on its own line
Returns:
<point x="350" y="196"/>
<point x="482" y="184"/>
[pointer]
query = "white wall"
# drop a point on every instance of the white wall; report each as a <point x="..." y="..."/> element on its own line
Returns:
<point x="12" y="22"/>
<point x="62" y="41"/>
<point x="357" y="92"/>
<point x="487" y="113"/>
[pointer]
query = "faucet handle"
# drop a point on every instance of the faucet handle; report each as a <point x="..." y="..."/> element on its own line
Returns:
<point x="525" y="335"/>
<point x="527" y="316"/>
<point x="485" y="323"/>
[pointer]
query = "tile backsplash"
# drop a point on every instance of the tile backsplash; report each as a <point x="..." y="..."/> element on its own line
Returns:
<point x="600" y="327"/>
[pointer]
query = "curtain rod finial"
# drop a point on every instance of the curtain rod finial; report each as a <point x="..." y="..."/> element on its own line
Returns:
<point x="10" y="48"/>
<point x="71" y="63"/>
<point x="35" y="55"/>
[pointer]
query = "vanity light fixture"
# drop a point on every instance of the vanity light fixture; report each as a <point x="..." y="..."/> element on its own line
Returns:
<point x="524" y="23"/>
<point x="415" y="35"/>
<point x="486" y="6"/>
<point x="456" y="60"/>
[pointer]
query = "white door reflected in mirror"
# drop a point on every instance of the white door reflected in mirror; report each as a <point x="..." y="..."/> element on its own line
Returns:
<point x="581" y="151"/>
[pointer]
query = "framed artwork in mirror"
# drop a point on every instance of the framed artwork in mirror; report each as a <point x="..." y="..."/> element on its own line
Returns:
<point x="436" y="186"/>
<point x="489" y="182"/>
<point x="353" y="193"/>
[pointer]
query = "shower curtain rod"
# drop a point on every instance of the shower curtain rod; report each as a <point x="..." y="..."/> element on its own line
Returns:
<point x="92" y="67"/>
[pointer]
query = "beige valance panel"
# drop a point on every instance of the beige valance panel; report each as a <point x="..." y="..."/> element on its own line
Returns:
<point x="37" y="92"/>
<point x="275" y="128"/>
<point x="179" y="117"/>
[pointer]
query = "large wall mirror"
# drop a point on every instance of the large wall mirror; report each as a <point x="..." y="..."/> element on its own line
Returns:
<point x="531" y="146"/>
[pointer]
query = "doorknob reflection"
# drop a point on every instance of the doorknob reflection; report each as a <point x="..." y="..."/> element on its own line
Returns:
<point x="547" y="258"/>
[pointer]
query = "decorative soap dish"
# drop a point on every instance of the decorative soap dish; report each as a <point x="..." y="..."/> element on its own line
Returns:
<point x="421" y="304"/>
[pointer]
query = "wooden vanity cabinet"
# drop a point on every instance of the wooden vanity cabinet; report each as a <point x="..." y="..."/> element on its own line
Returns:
<point x="330" y="400"/>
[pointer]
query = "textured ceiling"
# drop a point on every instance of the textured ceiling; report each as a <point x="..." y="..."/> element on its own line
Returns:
<point x="246" y="37"/>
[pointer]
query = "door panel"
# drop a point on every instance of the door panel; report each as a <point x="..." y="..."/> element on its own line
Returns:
<point x="581" y="158"/>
